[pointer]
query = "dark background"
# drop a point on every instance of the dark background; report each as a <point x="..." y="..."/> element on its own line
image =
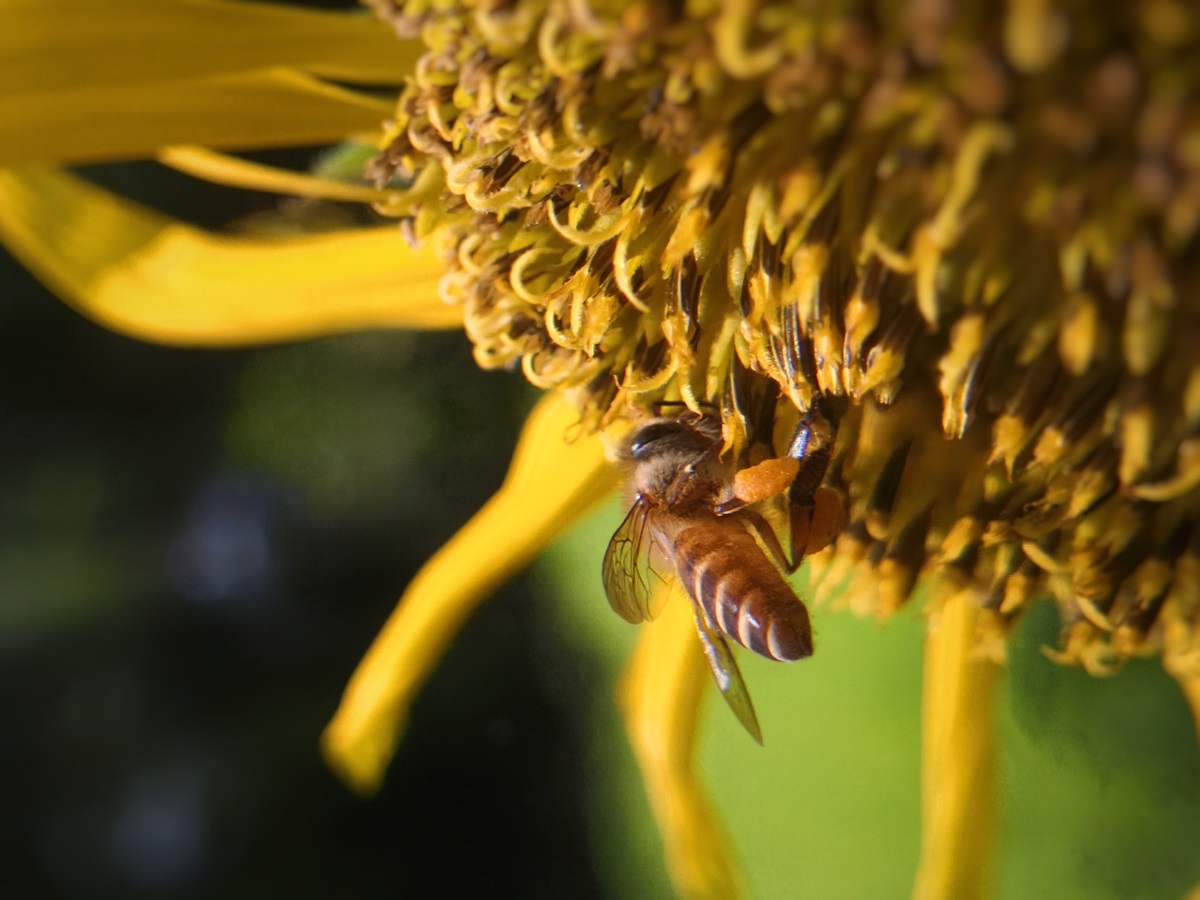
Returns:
<point x="196" y="547"/>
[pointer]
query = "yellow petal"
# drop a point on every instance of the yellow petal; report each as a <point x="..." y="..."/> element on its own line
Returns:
<point x="221" y="168"/>
<point x="57" y="44"/>
<point x="97" y="122"/>
<point x="149" y="276"/>
<point x="550" y="483"/>
<point x="660" y="699"/>
<point x="958" y="758"/>
<point x="85" y="82"/>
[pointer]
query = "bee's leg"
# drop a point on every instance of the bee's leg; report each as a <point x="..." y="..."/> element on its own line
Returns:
<point x="813" y="528"/>
<point x="817" y="512"/>
<point x="816" y="524"/>
<point x="769" y="540"/>
<point x="812" y="448"/>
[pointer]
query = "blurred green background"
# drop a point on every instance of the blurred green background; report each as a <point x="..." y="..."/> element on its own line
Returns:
<point x="199" y="545"/>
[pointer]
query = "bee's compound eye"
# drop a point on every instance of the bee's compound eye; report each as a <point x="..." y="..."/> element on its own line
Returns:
<point x="648" y="439"/>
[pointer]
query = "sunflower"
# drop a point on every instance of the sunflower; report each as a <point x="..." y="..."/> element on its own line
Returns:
<point x="961" y="237"/>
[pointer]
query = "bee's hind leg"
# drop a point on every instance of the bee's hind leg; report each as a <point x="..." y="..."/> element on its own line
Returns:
<point x="817" y="511"/>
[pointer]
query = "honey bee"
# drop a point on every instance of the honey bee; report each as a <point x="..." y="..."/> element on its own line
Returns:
<point x="692" y="520"/>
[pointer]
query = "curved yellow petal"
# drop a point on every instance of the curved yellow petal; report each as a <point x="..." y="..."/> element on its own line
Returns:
<point x="550" y="483"/>
<point x="660" y="698"/>
<point x="56" y="44"/>
<point x="149" y="276"/>
<point x="958" y="758"/>
<point x="221" y="168"/>
<point x="97" y="122"/>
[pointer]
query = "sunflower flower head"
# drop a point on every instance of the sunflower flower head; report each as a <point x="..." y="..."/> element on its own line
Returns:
<point x="969" y="230"/>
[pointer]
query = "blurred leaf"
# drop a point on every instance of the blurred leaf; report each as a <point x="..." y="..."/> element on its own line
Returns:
<point x="1100" y="778"/>
<point x="829" y="806"/>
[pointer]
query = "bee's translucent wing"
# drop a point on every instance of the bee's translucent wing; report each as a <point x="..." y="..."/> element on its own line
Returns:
<point x="726" y="673"/>
<point x="633" y="567"/>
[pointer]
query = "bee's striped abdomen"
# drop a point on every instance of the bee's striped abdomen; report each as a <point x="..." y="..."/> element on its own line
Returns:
<point x="743" y="594"/>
